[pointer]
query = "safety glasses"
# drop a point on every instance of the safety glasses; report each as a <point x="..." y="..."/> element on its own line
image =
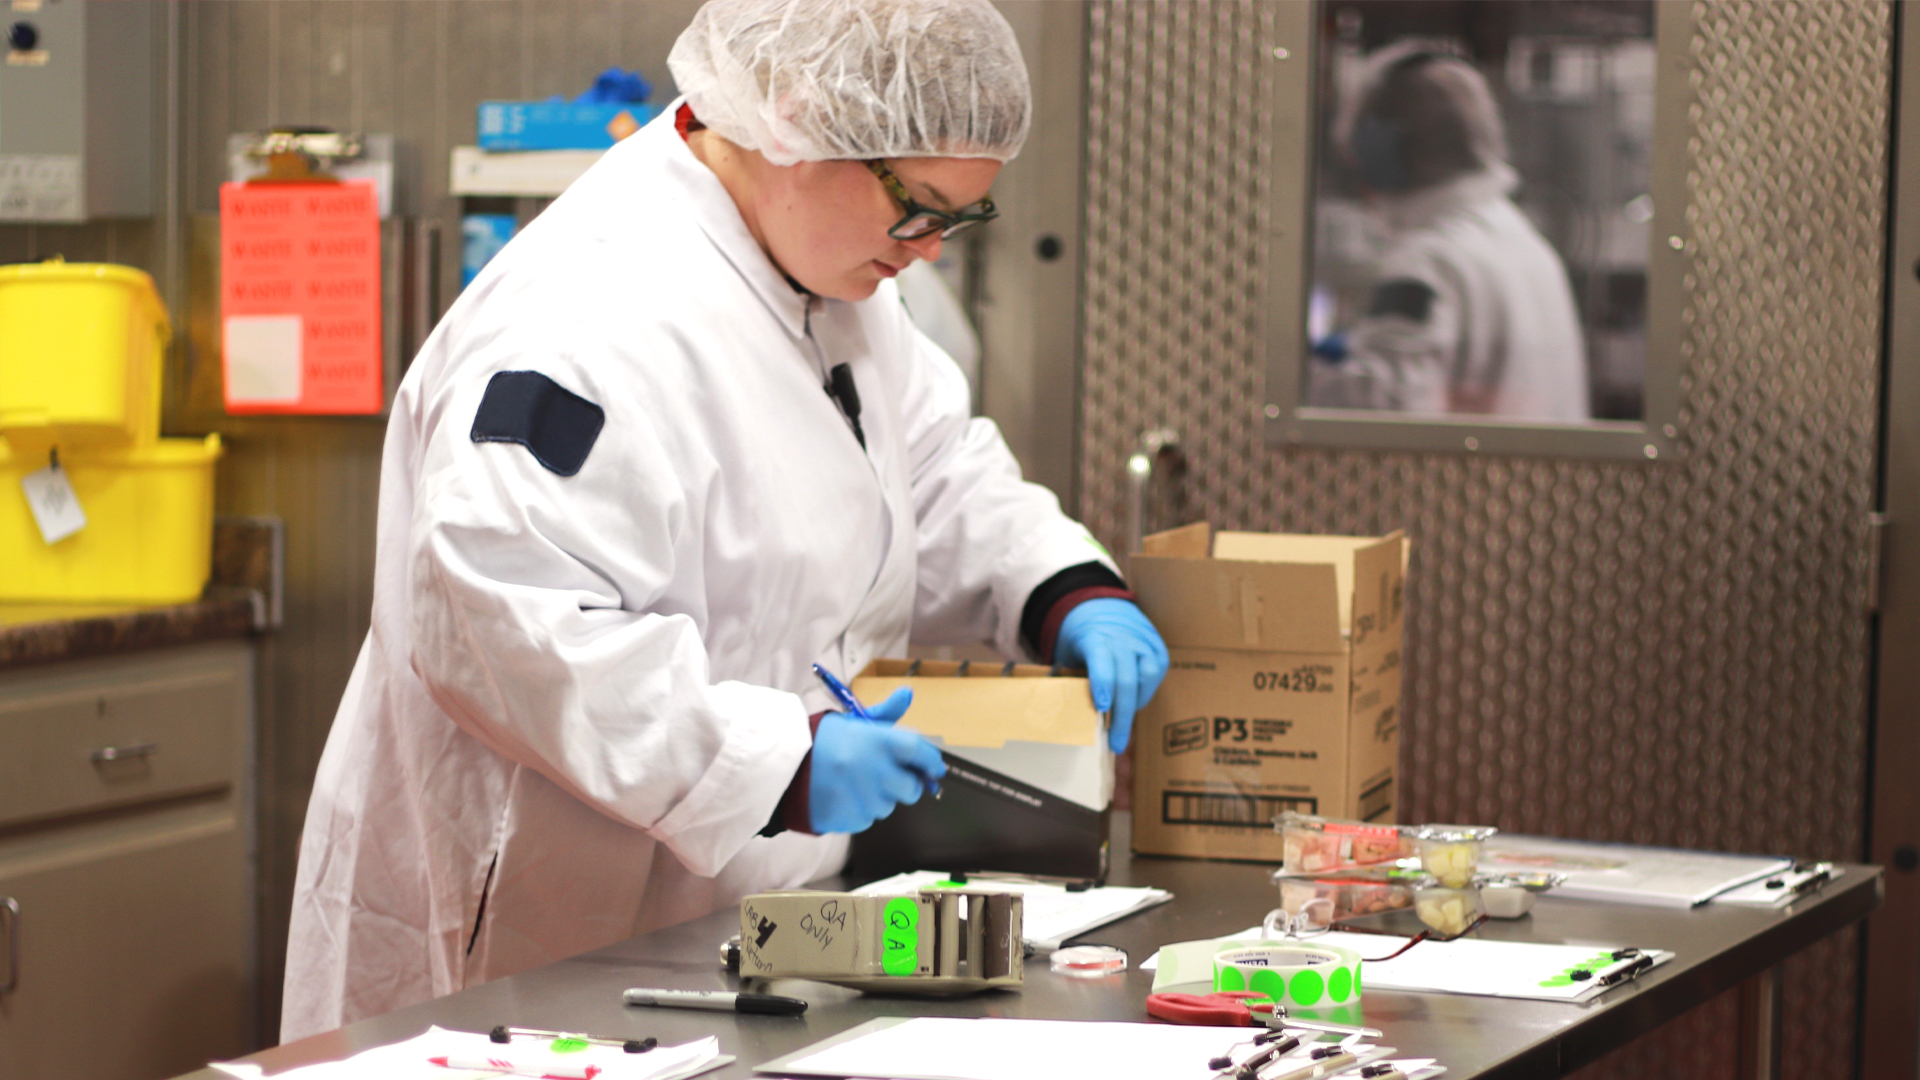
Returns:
<point x="923" y="221"/>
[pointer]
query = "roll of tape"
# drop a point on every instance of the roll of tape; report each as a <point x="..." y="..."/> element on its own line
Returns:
<point x="1294" y="975"/>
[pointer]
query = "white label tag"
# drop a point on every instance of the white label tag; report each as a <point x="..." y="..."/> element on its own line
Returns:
<point x="40" y="187"/>
<point x="264" y="359"/>
<point x="55" y="507"/>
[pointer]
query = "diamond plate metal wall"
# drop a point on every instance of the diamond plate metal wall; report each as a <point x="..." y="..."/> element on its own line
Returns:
<point x="1668" y="653"/>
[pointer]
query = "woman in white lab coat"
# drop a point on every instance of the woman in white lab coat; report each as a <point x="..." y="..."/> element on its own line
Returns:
<point x="676" y="444"/>
<point x="1469" y="310"/>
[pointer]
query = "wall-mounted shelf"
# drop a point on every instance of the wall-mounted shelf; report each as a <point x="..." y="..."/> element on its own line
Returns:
<point x="538" y="173"/>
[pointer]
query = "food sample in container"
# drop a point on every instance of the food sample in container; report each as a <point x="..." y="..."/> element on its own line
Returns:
<point x="1451" y="853"/>
<point x="1530" y="880"/>
<point x="1343" y="897"/>
<point x="1089" y="961"/>
<point x="1449" y="912"/>
<point x="1510" y="895"/>
<point x="1314" y="845"/>
<point x="1506" y="901"/>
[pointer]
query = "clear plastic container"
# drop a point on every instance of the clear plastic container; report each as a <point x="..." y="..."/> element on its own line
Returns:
<point x="1506" y="901"/>
<point x="1326" y="899"/>
<point x="1089" y="961"/>
<point x="1448" y="912"/>
<point x="1451" y="853"/>
<point x="1316" y="845"/>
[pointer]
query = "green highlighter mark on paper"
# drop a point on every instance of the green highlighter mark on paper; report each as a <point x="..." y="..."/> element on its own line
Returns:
<point x="900" y="945"/>
<point x="1566" y="978"/>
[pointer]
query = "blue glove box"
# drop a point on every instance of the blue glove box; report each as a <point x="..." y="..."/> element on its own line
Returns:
<point x="558" y="125"/>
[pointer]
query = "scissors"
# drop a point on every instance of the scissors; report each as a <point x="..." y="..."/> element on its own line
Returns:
<point x="1235" y="1008"/>
<point x="1225" y="1008"/>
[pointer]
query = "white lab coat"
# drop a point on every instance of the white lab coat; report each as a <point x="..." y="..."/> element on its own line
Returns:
<point x="939" y="315"/>
<point x="1500" y="335"/>
<point x="599" y="685"/>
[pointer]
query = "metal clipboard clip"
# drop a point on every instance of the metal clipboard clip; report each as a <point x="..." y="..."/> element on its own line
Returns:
<point x="1627" y="965"/>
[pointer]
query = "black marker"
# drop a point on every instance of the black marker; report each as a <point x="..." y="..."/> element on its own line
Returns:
<point x="1820" y="876"/>
<point x="1621" y="973"/>
<point x="718" y="1000"/>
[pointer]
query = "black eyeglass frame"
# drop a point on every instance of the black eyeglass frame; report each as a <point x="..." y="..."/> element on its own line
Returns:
<point x="943" y="222"/>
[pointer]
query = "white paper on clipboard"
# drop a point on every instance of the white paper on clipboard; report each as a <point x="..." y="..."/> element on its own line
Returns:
<point x="1629" y="874"/>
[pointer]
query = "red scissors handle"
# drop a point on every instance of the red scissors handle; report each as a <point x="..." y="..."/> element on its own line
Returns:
<point x="1226" y="1008"/>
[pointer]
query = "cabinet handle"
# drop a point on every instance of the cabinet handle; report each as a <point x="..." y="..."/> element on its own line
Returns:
<point x="122" y="753"/>
<point x="12" y="907"/>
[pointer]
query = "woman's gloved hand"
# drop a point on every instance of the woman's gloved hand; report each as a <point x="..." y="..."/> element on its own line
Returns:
<point x="1124" y="657"/>
<point x="862" y="768"/>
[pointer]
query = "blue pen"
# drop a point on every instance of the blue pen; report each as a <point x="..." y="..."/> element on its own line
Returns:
<point x="853" y="707"/>
<point x="841" y="694"/>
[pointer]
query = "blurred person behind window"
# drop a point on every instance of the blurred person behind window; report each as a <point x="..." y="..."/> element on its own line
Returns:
<point x="1469" y="309"/>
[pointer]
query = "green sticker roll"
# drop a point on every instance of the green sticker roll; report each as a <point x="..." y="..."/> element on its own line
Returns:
<point x="1291" y="975"/>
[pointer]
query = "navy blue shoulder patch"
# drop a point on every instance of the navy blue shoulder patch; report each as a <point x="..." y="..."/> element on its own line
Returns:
<point x="1409" y="298"/>
<point x="556" y="424"/>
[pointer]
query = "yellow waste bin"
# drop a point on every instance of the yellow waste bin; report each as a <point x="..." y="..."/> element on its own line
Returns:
<point x="81" y="346"/>
<point x="149" y="532"/>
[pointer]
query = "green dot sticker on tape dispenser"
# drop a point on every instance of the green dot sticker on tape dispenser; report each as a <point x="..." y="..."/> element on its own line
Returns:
<point x="900" y="945"/>
<point x="1291" y="975"/>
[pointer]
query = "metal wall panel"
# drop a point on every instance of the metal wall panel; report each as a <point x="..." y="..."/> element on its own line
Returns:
<point x="1026" y="302"/>
<point x="1655" y="653"/>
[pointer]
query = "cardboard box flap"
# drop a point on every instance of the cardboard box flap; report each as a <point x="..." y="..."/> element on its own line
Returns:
<point x="1186" y="542"/>
<point x="1379" y="571"/>
<point x="1338" y="552"/>
<point x="1215" y="604"/>
<point x="990" y="705"/>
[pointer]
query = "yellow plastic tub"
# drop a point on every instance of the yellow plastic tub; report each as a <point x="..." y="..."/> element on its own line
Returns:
<point x="80" y="351"/>
<point x="149" y="532"/>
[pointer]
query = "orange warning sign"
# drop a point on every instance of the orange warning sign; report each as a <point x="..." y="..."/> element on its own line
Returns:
<point x="300" y="298"/>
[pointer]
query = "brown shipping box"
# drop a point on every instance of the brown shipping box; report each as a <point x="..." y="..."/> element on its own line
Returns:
<point x="1284" y="693"/>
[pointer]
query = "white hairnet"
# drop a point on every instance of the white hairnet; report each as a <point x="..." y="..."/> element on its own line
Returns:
<point x="1436" y="111"/>
<point x="821" y="80"/>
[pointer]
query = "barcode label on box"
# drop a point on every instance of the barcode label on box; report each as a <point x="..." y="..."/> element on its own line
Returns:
<point x="1241" y="811"/>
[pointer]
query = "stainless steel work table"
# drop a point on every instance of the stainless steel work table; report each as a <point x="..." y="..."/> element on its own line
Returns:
<point x="1718" y="948"/>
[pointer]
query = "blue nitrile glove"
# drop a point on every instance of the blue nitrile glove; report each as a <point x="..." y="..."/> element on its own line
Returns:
<point x="616" y="86"/>
<point x="1123" y="654"/>
<point x="862" y="769"/>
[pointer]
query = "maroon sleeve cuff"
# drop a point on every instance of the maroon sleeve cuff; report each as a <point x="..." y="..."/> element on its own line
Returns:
<point x="1050" y="630"/>
<point x="794" y="812"/>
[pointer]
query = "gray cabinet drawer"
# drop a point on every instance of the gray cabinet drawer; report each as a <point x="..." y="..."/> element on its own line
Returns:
<point x="134" y="941"/>
<point x="70" y="749"/>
